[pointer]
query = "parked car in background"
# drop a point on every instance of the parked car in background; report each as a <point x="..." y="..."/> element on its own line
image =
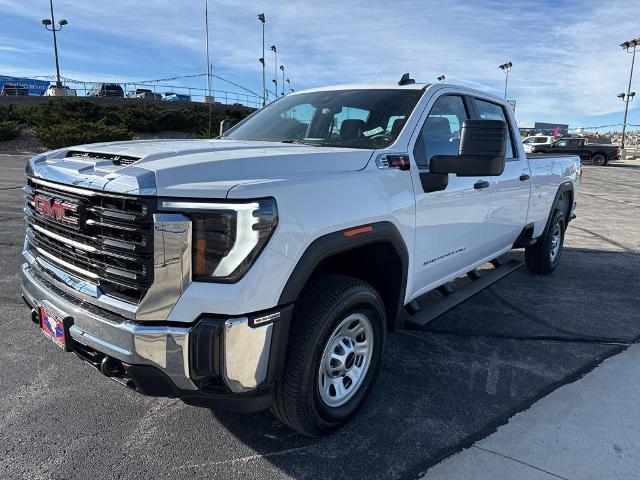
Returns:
<point x="106" y="90"/>
<point x="537" y="140"/>
<point x="176" y="97"/>
<point x="144" y="93"/>
<point x="13" y="89"/>
<point x="63" y="91"/>
<point x="598" y="153"/>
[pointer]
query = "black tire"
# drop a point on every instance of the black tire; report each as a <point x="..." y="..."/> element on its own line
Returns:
<point x="599" y="160"/>
<point x="324" y="305"/>
<point x="539" y="257"/>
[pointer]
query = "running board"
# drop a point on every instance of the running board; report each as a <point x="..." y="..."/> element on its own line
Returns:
<point x="420" y="318"/>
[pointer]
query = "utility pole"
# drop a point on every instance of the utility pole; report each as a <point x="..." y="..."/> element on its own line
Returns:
<point x="206" y="29"/>
<point x="627" y="46"/>
<point x="51" y="22"/>
<point x="263" y="20"/>
<point x="506" y="67"/>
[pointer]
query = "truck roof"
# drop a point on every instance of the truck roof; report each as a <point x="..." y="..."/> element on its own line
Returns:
<point x="367" y="86"/>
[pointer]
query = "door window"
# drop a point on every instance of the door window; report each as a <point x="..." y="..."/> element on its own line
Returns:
<point x="493" y="111"/>
<point x="440" y="134"/>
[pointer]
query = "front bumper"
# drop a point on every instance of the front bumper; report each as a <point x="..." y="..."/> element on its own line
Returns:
<point x="213" y="362"/>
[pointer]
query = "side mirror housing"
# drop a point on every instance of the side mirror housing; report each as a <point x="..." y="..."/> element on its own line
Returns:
<point x="225" y="125"/>
<point x="482" y="150"/>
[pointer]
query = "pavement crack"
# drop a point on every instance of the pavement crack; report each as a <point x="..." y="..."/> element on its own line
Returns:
<point x="609" y="200"/>
<point x="521" y="462"/>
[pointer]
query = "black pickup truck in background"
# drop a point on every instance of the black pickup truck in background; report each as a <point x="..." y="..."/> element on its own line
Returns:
<point x="598" y="154"/>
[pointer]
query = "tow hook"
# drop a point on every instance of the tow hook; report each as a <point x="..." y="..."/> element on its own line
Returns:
<point x="111" y="367"/>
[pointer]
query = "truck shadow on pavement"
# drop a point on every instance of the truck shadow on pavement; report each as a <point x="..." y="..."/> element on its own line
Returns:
<point x="442" y="389"/>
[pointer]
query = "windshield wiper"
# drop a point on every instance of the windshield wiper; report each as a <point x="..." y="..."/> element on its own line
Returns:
<point x="300" y="142"/>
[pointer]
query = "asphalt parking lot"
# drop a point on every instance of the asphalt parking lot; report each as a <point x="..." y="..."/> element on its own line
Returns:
<point x="438" y="391"/>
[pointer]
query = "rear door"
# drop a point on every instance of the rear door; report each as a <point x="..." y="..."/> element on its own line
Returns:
<point x="451" y="225"/>
<point x="510" y="191"/>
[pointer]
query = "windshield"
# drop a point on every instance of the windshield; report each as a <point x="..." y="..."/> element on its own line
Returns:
<point x="341" y="118"/>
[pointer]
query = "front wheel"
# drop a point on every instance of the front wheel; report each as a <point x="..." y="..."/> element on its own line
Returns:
<point x="544" y="255"/>
<point x="334" y="355"/>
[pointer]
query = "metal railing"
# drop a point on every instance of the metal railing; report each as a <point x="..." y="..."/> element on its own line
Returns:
<point x="160" y="91"/>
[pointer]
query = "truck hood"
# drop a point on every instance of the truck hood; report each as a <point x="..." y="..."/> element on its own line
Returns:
<point x="189" y="168"/>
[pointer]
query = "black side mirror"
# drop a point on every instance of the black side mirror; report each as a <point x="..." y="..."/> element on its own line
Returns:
<point x="481" y="153"/>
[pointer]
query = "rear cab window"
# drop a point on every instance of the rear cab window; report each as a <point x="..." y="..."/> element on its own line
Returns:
<point x="493" y="111"/>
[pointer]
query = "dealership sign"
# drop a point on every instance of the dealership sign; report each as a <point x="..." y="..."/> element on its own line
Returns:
<point x="36" y="87"/>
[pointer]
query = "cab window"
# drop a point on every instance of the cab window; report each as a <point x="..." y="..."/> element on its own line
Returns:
<point x="493" y="111"/>
<point x="440" y="134"/>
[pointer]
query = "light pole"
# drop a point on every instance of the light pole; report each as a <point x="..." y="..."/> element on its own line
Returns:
<point x="282" y="68"/>
<point x="275" y="67"/>
<point x="506" y="67"/>
<point x="263" y="19"/>
<point x="626" y="98"/>
<point x="51" y="22"/>
<point x="275" y="82"/>
<point x="289" y="84"/>
<point x="627" y="46"/>
<point x="441" y="78"/>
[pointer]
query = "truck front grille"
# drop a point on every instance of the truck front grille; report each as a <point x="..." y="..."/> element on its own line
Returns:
<point x="105" y="239"/>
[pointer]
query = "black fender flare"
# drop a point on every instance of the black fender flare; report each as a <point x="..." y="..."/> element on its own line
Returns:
<point x="339" y="242"/>
<point x="563" y="188"/>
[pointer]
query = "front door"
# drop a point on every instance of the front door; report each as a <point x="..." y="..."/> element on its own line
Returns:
<point x="451" y="229"/>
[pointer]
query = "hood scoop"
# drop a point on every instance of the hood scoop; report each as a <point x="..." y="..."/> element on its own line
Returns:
<point x="115" y="158"/>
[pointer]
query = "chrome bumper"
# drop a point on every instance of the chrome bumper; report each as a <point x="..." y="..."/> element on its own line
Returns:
<point x="246" y="348"/>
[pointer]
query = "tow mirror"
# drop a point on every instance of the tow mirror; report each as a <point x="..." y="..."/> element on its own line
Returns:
<point x="225" y="125"/>
<point x="481" y="153"/>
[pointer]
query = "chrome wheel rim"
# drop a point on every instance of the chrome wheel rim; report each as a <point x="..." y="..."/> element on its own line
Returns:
<point x="556" y="238"/>
<point x="345" y="360"/>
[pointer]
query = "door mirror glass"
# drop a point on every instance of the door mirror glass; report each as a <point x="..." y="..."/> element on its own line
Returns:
<point x="481" y="153"/>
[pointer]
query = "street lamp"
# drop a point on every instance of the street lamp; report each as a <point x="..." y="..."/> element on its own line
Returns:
<point x="630" y="47"/>
<point x="441" y="78"/>
<point x="50" y="24"/>
<point x="506" y="67"/>
<point x="289" y="84"/>
<point x="282" y="68"/>
<point x="275" y="66"/>
<point x="275" y="82"/>
<point x="263" y="19"/>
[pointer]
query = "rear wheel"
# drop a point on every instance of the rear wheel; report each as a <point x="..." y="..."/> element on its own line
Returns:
<point x="599" y="160"/>
<point x="334" y="355"/>
<point x="544" y="255"/>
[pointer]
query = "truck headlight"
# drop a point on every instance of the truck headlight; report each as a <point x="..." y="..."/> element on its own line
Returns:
<point x="227" y="237"/>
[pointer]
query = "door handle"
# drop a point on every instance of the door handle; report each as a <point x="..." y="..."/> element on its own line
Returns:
<point x="480" y="184"/>
<point x="524" y="177"/>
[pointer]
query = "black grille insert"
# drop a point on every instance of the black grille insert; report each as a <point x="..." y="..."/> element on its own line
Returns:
<point x="111" y="245"/>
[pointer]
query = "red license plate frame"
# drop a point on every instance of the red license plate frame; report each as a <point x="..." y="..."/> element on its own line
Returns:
<point x="55" y="326"/>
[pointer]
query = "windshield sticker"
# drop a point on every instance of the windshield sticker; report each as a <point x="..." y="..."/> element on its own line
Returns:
<point x="368" y="133"/>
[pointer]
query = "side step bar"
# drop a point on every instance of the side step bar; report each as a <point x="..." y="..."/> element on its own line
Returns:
<point x="421" y="317"/>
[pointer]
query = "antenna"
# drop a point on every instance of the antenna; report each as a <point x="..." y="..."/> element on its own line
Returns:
<point x="406" y="80"/>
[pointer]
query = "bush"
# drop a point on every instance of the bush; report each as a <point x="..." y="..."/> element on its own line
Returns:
<point x="9" y="130"/>
<point x="71" y="133"/>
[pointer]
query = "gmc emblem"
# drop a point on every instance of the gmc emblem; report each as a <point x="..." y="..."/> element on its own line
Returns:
<point x="56" y="209"/>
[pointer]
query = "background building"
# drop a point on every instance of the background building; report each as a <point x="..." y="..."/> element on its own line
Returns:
<point x="543" y="128"/>
<point x="36" y="87"/>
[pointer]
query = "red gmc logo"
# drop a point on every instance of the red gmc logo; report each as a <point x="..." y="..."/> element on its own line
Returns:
<point x="56" y="209"/>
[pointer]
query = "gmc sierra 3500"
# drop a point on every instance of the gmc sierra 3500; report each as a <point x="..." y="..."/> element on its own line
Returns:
<point x="264" y="269"/>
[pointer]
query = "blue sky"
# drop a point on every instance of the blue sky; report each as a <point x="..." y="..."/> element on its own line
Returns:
<point x="568" y="66"/>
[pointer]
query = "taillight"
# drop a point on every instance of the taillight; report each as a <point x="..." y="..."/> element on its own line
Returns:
<point x="616" y="151"/>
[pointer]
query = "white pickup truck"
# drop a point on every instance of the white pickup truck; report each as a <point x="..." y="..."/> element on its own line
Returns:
<point x="265" y="268"/>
